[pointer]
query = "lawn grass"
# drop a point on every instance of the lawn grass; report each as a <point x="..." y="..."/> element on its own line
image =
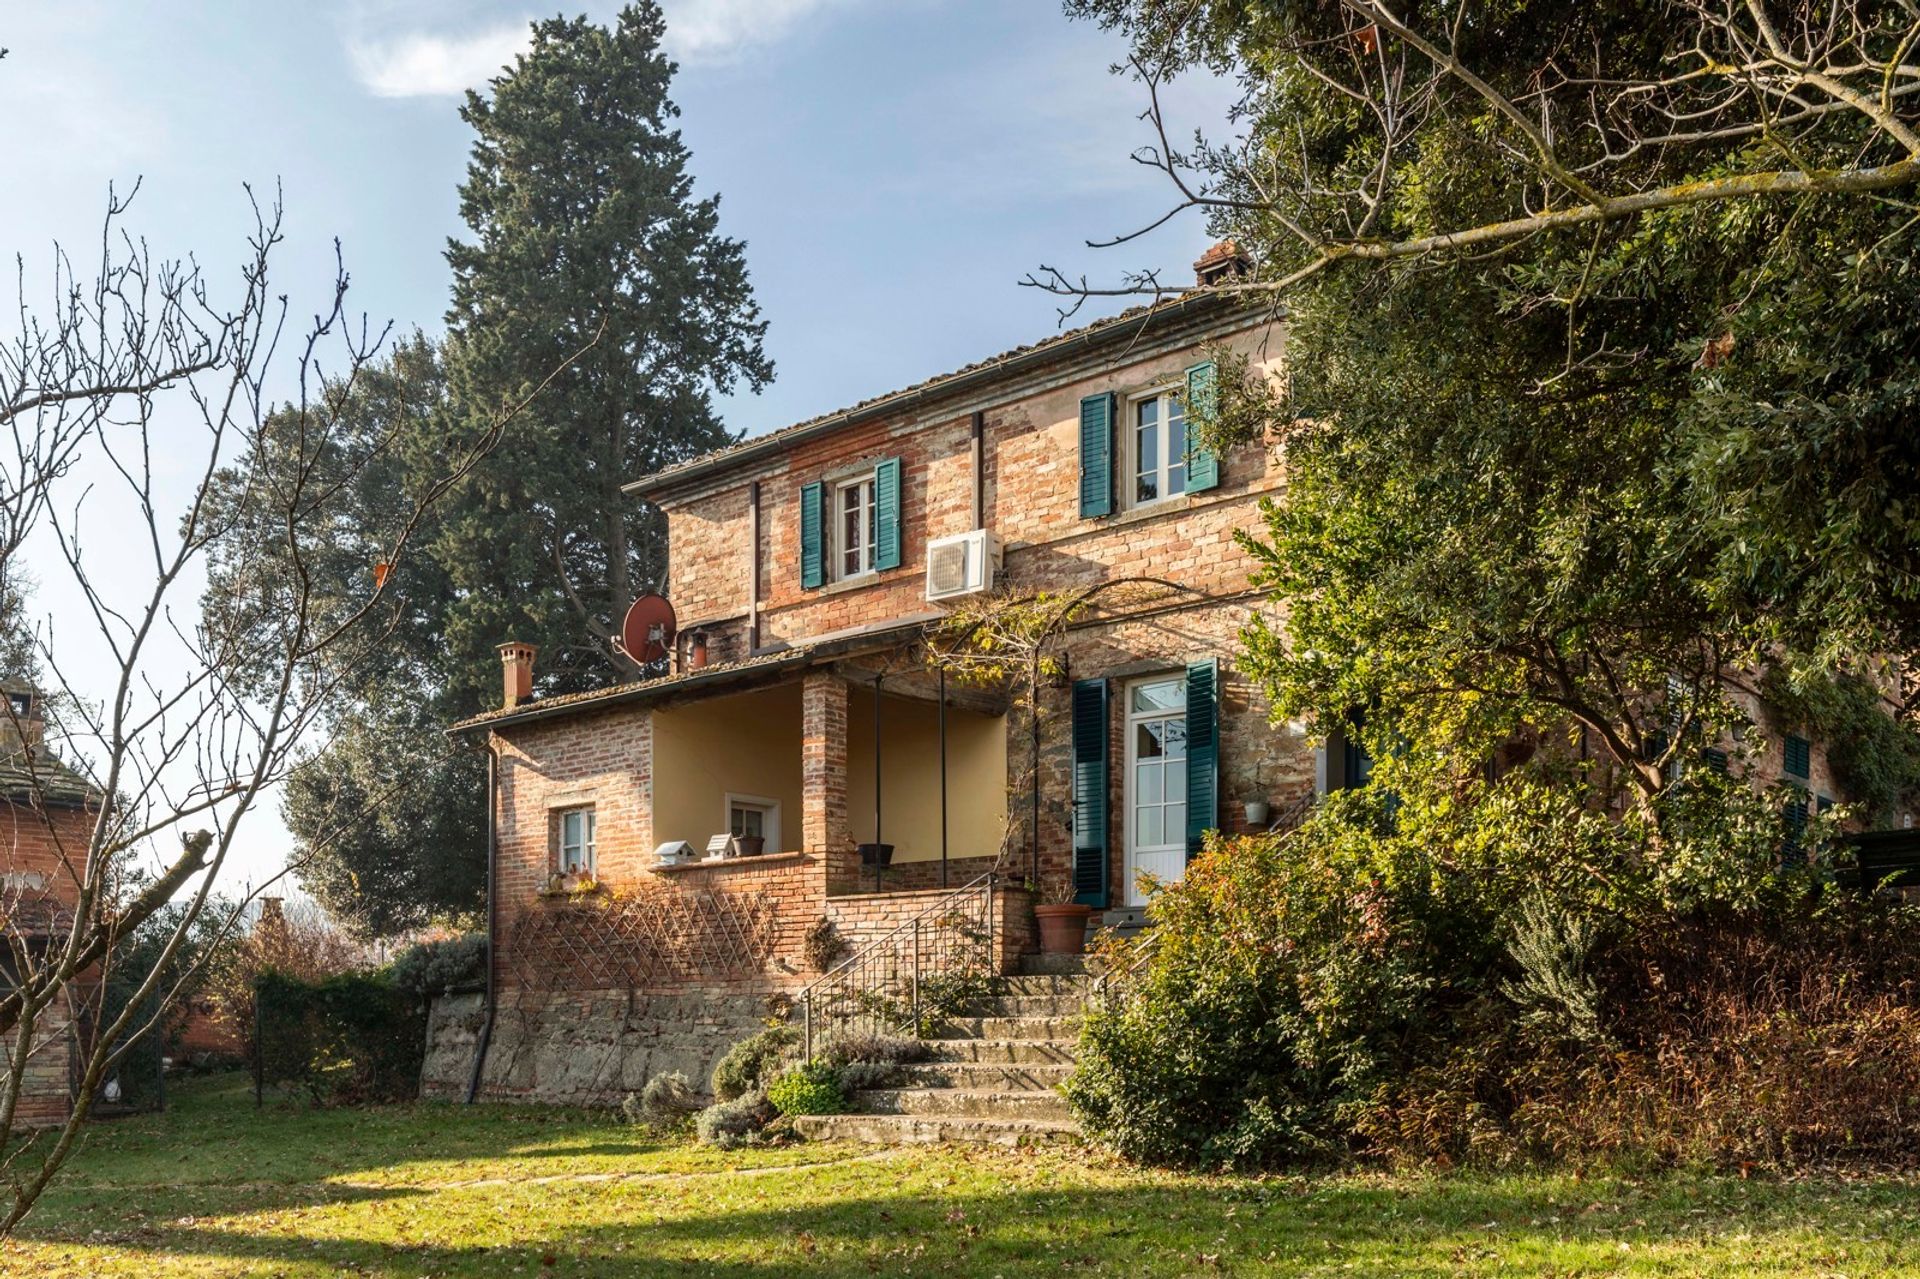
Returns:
<point x="212" y="1188"/>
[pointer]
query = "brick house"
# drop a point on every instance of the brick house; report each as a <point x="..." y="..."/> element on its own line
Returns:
<point x="802" y="714"/>
<point x="48" y="812"/>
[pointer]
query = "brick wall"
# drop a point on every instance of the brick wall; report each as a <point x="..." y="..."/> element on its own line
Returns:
<point x="46" y="1095"/>
<point x="50" y="843"/>
<point x="1030" y="472"/>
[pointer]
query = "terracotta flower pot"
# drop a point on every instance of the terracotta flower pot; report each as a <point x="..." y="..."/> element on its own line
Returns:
<point x="1063" y="929"/>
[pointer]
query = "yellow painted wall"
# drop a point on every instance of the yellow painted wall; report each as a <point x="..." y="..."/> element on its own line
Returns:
<point x="745" y="744"/>
<point x="910" y="777"/>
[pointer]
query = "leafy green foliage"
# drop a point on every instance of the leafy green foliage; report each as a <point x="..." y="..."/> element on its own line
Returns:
<point x="1296" y="982"/>
<point x="754" y="1062"/>
<point x="1875" y="759"/>
<point x="349" y="1039"/>
<point x="1585" y="478"/>
<point x="811" y="1088"/>
<point x="592" y="273"/>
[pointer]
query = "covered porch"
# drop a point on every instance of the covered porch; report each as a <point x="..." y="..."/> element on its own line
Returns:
<point x="833" y="762"/>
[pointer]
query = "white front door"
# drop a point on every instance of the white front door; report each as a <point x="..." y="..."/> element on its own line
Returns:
<point x="1156" y="784"/>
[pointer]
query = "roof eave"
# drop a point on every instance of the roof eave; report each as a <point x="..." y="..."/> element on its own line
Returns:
<point x="937" y="388"/>
<point x="697" y="681"/>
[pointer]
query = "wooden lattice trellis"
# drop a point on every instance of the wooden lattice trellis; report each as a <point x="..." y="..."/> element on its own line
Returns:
<point x="647" y="937"/>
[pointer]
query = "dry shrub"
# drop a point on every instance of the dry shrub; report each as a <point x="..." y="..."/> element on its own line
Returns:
<point x="1746" y="1042"/>
<point x="295" y="939"/>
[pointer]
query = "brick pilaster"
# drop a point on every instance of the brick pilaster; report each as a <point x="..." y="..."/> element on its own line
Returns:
<point x="823" y="778"/>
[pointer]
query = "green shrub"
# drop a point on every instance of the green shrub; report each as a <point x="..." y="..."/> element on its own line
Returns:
<point x="737" y="1122"/>
<point x="352" y="1038"/>
<point x="431" y="967"/>
<point x="754" y="1062"/>
<point x="1404" y="971"/>
<point x="809" y="1089"/>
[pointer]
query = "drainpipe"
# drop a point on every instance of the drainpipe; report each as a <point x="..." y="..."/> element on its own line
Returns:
<point x="979" y="454"/>
<point x="876" y="782"/>
<point x="753" y="567"/>
<point x="493" y="954"/>
<point x="943" y="777"/>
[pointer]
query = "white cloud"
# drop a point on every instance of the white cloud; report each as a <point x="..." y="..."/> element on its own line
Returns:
<point x="419" y="65"/>
<point x="718" y="30"/>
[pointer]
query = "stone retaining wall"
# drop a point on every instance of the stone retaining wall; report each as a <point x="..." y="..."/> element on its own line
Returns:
<point x="583" y="1049"/>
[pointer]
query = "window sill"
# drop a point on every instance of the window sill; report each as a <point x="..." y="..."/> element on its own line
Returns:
<point x="559" y="893"/>
<point x="856" y="583"/>
<point x="728" y="863"/>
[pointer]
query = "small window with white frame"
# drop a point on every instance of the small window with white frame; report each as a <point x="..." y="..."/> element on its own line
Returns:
<point x="856" y="526"/>
<point x="1156" y="446"/>
<point x="755" y="817"/>
<point x="575" y="852"/>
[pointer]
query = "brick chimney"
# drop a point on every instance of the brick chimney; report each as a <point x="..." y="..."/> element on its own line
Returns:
<point x="23" y="720"/>
<point x="1222" y="262"/>
<point x="516" y="669"/>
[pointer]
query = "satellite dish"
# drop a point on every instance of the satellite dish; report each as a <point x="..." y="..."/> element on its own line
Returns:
<point x="648" y="632"/>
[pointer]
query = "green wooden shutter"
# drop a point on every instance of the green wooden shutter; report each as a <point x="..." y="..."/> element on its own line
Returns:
<point x="813" y="521"/>
<point x="1090" y="792"/>
<point x="1203" y="752"/>
<point x="886" y="501"/>
<point x="1798" y="757"/>
<point x="1203" y="400"/>
<point x="1096" y="456"/>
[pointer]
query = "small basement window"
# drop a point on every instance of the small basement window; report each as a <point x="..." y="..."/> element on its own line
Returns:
<point x="576" y="842"/>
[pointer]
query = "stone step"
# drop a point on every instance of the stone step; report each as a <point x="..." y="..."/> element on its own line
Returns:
<point x="1064" y="1029"/>
<point x="986" y="1076"/>
<point x="1046" y="984"/>
<point x="1031" y="1005"/>
<point x="1053" y="965"/>
<point x="920" y="1130"/>
<point x="961" y="1103"/>
<point x="1002" y="1051"/>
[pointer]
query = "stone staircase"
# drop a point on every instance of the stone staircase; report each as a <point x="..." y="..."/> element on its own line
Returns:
<point x="992" y="1077"/>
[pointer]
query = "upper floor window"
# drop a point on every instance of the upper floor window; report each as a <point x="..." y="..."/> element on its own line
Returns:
<point x="1157" y="447"/>
<point x="856" y="526"/>
<point x="576" y="842"/>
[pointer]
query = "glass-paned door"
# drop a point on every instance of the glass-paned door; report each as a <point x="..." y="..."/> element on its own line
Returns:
<point x="1156" y="784"/>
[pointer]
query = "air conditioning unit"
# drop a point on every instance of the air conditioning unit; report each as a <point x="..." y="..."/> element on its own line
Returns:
<point x="964" y="564"/>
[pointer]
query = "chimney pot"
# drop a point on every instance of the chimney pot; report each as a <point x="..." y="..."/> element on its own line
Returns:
<point x="516" y="668"/>
<point x="23" y="721"/>
<point x="1222" y="262"/>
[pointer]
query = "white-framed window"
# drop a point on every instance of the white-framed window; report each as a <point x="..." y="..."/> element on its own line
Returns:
<point x="1156" y="447"/>
<point x="856" y="526"/>
<point x="1155" y="789"/>
<point x="576" y="842"/>
<point x="753" y="815"/>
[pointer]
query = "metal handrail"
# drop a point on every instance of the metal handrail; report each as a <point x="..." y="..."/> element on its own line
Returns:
<point x="868" y="986"/>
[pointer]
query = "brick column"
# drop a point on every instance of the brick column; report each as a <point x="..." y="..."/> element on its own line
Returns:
<point x="823" y="779"/>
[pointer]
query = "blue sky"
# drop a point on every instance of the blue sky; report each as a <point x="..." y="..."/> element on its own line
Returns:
<point x="894" y="166"/>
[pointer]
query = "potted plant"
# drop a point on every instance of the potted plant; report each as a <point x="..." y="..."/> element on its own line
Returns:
<point x="876" y="854"/>
<point x="1258" y="810"/>
<point x="1062" y="920"/>
<point x="749" y="845"/>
